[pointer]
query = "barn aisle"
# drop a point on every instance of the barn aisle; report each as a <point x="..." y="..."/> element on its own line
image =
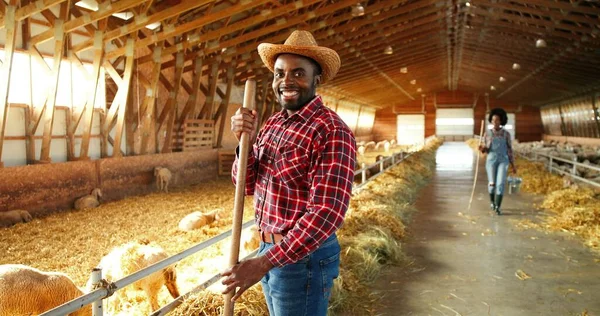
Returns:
<point x="465" y="263"/>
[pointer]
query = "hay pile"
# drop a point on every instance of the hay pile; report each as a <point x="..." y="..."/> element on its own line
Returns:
<point x="575" y="209"/>
<point x="536" y="178"/>
<point x="473" y="143"/>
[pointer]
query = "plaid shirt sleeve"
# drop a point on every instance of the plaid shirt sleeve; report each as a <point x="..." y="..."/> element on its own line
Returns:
<point x="331" y="175"/>
<point x="250" y="170"/>
<point x="487" y="140"/>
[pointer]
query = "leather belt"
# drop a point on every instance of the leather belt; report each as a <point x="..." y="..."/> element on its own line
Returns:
<point x="270" y="238"/>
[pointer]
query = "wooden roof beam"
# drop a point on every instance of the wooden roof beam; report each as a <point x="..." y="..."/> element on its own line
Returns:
<point x="141" y="21"/>
<point x="171" y="31"/>
<point x="105" y="10"/>
<point x="29" y="9"/>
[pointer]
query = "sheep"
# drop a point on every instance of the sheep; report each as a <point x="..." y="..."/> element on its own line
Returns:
<point x="196" y="220"/>
<point x="28" y="291"/>
<point x="393" y="143"/>
<point x="13" y="217"/>
<point x="251" y="239"/>
<point x="134" y="256"/>
<point x="361" y="150"/>
<point x="163" y="177"/>
<point x="89" y="201"/>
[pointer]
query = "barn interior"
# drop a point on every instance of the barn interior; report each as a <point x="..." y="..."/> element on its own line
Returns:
<point x="97" y="94"/>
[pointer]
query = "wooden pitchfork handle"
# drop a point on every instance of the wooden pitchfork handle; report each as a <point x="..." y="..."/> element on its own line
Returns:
<point x="477" y="164"/>
<point x="238" y="208"/>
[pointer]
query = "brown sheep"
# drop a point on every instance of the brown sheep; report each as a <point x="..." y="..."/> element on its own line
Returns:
<point x="89" y="201"/>
<point x="14" y="217"/>
<point x="130" y="258"/>
<point x="28" y="291"/>
<point x="163" y="177"/>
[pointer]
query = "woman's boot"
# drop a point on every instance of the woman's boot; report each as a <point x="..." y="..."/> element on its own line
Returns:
<point x="492" y="202"/>
<point x="498" y="204"/>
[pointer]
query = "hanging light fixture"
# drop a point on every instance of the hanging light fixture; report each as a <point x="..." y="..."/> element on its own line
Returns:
<point x="540" y="43"/>
<point x="404" y="70"/>
<point x="468" y="4"/>
<point x="414" y="81"/>
<point x="502" y="79"/>
<point x="516" y="66"/>
<point x="388" y="50"/>
<point x="492" y="88"/>
<point x="419" y="90"/>
<point x="358" y="10"/>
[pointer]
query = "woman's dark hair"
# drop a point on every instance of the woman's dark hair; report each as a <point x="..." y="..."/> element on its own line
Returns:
<point x="501" y="114"/>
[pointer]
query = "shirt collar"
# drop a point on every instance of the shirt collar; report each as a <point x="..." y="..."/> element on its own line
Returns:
<point x="306" y="111"/>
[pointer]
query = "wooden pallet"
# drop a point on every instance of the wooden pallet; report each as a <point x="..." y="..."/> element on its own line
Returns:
<point x="198" y="134"/>
<point x="226" y="159"/>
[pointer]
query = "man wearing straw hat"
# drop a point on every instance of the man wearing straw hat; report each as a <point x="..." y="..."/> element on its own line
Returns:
<point x="300" y="172"/>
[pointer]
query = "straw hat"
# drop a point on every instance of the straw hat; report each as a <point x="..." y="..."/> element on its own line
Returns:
<point x="304" y="44"/>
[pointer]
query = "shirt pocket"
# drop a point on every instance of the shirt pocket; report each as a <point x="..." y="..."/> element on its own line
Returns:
<point x="291" y="164"/>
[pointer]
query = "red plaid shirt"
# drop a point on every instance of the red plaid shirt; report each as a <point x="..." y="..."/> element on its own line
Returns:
<point x="300" y="172"/>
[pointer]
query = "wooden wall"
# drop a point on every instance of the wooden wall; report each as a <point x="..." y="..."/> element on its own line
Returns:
<point x="46" y="188"/>
<point x="528" y="121"/>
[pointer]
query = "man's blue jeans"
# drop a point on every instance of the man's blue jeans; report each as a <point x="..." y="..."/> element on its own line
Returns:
<point x="302" y="288"/>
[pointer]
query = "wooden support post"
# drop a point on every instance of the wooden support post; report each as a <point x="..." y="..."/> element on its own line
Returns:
<point x="224" y="105"/>
<point x="9" y="49"/>
<point x="124" y="89"/>
<point x="51" y="102"/>
<point x="195" y="89"/>
<point x="131" y="118"/>
<point x="147" y="109"/>
<point x="88" y="110"/>
<point x="169" y="111"/>
<point x="207" y="110"/>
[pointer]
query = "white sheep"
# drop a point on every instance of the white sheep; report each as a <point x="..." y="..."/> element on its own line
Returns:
<point x="198" y="219"/>
<point x="163" y="177"/>
<point x="28" y="291"/>
<point x="134" y="256"/>
<point x="393" y="143"/>
<point x="89" y="201"/>
<point x="361" y="150"/>
<point x="380" y="144"/>
<point x="14" y="217"/>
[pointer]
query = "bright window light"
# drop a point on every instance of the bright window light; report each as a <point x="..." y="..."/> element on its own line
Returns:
<point x="454" y="121"/>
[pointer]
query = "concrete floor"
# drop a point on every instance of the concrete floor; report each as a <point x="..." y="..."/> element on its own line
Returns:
<point x="464" y="263"/>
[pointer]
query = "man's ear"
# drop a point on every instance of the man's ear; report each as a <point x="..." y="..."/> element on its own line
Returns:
<point x="317" y="80"/>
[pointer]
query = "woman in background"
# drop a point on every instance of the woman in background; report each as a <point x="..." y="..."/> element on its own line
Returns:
<point x="498" y="146"/>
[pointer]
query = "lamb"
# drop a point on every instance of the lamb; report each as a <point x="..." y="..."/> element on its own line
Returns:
<point x="28" y="291"/>
<point x="134" y="256"/>
<point x="10" y="218"/>
<point x="196" y="220"/>
<point x="89" y="201"/>
<point x="163" y="177"/>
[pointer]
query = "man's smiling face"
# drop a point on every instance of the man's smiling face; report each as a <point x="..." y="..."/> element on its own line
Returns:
<point x="295" y="81"/>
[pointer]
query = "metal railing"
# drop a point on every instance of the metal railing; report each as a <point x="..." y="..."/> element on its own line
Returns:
<point x="533" y="155"/>
<point x="96" y="296"/>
